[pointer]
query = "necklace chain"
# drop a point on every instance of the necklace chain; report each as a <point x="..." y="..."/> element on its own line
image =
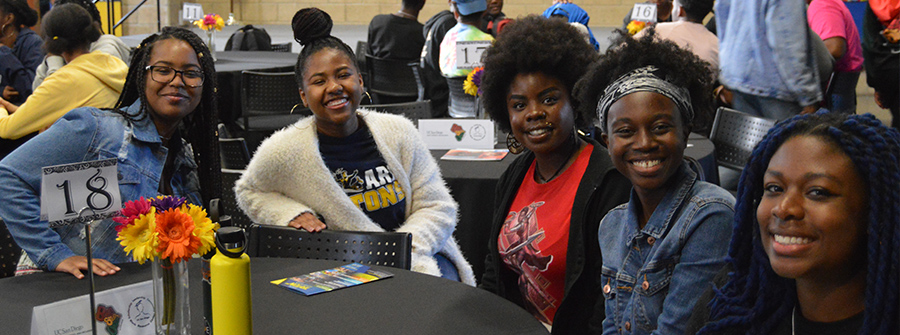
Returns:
<point x="406" y="15"/>
<point x="561" y="166"/>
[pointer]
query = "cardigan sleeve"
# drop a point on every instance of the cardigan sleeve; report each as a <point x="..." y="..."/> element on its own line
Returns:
<point x="433" y="212"/>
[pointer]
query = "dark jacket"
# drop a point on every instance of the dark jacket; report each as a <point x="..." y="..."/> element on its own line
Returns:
<point x="435" y="84"/>
<point x="602" y="188"/>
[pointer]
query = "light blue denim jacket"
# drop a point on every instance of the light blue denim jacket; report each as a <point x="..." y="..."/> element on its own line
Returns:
<point x="652" y="277"/>
<point x="764" y="49"/>
<point x="86" y="134"/>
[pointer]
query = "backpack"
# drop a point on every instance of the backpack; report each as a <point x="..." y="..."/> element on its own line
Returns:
<point x="249" y="38"/>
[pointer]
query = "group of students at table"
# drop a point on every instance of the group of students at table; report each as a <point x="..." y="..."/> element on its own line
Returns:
<point x="589" y="237"/>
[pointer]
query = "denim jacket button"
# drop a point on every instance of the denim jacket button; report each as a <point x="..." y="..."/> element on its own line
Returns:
<point x="606" y="289"/>
<point x="645" y="285"/>
<point x="651" y="240"/>
<point x="627" y="326"/>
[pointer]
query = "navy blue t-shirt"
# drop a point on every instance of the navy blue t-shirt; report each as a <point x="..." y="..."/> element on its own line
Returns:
<point x="356" y="165"/>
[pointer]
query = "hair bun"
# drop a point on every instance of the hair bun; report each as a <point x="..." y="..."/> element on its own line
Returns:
<point x="310" y="24"/>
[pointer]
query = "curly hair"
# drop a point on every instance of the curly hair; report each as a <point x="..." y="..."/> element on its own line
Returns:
<point x="25" y="16"/>
<point x="68" y="27"/>
<point x="754" y="297"/>
<point x="531" y="45"/>
<point x="312" y="29"/>
<point x="626" y="53"/>
<point x="199" y="126"/>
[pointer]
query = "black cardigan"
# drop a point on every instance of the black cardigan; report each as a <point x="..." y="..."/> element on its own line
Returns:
<point x="602" y="187"/>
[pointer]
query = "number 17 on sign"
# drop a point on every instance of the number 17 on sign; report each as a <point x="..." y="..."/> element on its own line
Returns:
<point x="67" y="189"/>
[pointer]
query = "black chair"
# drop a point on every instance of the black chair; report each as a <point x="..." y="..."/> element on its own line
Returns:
<point x="282" y="47"/>
<point x="411" y="110"/>
<point x="735" y="134"/>
<point x="394" y="81"/>
<point x="374" y="248"/>
<point x="229" y="201"/>
<point x="461" y="104"/>
<point x="234" y="153"/>
<point x="267" y="99"/>
<point x="362" y="48"/>
<point x="9" y="252"/>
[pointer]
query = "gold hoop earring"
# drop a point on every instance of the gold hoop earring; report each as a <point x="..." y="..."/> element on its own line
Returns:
<point x="295" y="107"/>
<point x="370" y="98"/>
<point x="513" y="145"/>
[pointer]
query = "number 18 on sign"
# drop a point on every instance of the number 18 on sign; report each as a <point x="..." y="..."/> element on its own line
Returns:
<point x="67" y="189"/>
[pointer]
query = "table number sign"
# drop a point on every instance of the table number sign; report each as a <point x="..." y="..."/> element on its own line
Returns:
<point x="645" y="12"/>
<point x="191" y="11"/>
<point x="468" y="53"/>
<point x="67" y="189"/>
<point x="123" y="310"/>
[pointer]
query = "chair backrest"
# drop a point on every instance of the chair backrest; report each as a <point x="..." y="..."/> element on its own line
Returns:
<point x="282" y="47"/>
<point x="375" y="248"/>
<point x="394" y="78"/>
<point x="249" y="38"/>
<point x="461" y="104"/>
<point x="267" y="93"/>
<point x="412" y="110"/>
<point x="234" y="153"/>
<point x="223" y="131"/>
<point x="229" y="201"/>
<point x="362" y="48"/>
<point x="9" y="252"/>
<point x="735" y="134"/>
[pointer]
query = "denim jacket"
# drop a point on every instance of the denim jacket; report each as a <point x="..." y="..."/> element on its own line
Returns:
<point x="652" y="277"/>
<point x="86" y="134"/>
<point x="764" y="49"/>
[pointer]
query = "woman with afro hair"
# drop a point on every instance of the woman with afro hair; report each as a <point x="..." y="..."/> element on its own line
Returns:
<point x="662" y="247"/>
<point x="817" y="233"/>
<point x="543" y="252"/>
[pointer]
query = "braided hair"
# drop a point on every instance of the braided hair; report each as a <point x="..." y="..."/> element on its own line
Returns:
<point x="68" y="27"/>
<point x="312" y="29"/>
<point x="87" y="5"/>
<point x="755" y="297"/>
<point x="25" y="16"/>
<point x="200" y="126"/>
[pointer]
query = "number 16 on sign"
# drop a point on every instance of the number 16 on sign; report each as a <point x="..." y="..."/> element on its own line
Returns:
<point x="67" y="189"/>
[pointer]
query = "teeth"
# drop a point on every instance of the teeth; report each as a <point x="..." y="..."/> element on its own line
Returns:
<point x="336" y="102"/>
<point x="781" y="239"/>
<point x="540" y="131"/>
<point x="647" y="164"/>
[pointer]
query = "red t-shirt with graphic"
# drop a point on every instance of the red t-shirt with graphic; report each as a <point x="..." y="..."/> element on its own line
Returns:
<point x="535" y="235"/>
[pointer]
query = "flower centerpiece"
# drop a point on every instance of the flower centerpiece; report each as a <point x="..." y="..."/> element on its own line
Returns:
<point x="472" y="85"/>
<point x="635" y="26"/>
<point x="168" y="232"/>
<point x="211" y="23"/>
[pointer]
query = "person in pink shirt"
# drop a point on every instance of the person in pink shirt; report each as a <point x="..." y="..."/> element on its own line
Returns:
<point x="832" y="21"/>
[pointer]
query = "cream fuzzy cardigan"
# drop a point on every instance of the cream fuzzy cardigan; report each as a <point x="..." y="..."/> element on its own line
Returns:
<point x="287" y="177"/>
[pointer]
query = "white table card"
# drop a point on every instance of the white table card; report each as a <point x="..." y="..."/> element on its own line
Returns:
<point x="457" y="133"/>
<point x="123" y="310"/>
<point x="191" y="11"/>
<point x="468" y="53"/>
<point x="645" y="12"/>
<point x="67" y="189"/>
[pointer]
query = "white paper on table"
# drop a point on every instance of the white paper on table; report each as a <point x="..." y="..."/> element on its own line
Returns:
<point x="457" y="133"/>
<point x="132" y="306"/>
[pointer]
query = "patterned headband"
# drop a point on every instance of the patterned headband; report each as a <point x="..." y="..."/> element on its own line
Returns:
<point x="645" y="79"/>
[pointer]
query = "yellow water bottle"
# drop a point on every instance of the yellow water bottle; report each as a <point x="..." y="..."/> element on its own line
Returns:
<point x="229" y="271"/>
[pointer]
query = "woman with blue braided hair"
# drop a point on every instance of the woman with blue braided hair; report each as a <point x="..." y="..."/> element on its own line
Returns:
<point x="817" y="233"/>
<point x="662" y="247"/>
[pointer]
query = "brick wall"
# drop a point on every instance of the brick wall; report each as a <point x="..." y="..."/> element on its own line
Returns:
<point x="606" y="13"/>
<point x="144" y="20"/>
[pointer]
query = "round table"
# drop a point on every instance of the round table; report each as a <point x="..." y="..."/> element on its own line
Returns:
<point x="408" y="303"/>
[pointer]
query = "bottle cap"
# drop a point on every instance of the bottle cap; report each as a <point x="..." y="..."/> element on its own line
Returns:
<point x="231" y="241"/>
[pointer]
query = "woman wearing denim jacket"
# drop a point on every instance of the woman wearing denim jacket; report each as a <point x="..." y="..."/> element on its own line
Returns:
<point x="162" y="133"/>
<point x="662" y="247"/>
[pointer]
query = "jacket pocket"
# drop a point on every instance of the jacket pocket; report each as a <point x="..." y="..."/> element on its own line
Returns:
<point x="652" y="288"/>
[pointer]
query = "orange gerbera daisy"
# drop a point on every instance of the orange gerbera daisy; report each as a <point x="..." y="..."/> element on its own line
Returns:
<point x="176" y="239"/>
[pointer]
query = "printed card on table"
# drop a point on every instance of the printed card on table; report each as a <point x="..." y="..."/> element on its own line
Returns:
<point x="440" y="134"/>
<point x="123" y="310"/>
<point x="332" y="279"/>
<point x="475" y="155"/>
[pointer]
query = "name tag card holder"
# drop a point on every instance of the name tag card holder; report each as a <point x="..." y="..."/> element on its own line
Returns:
<point x="93" y="187"/>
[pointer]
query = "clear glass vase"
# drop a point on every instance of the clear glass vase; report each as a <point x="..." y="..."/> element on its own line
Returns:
<point x="171" y="292"/>
<point x="211" y="42"/>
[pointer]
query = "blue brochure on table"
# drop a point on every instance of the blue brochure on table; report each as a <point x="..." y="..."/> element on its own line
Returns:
<point x="332" y="279"/>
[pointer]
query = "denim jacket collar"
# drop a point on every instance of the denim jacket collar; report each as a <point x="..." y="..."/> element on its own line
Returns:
<point x="661" y="218"/>
<point x="144" y="130"/>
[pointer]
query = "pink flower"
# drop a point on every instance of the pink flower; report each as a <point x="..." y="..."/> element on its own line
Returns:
<point x="209" y="19"/>
<point x="131" y="211"/>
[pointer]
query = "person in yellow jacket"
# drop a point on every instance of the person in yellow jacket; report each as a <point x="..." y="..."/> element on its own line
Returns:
<point x="93" y="79"/>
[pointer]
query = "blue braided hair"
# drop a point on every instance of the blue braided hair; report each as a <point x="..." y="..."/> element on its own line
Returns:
<point x="757" y="299"/>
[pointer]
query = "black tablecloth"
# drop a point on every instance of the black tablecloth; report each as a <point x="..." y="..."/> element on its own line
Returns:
<point x="408" y="303"/>
<point x="229" y="65"/>
<point x="473" y="185"/>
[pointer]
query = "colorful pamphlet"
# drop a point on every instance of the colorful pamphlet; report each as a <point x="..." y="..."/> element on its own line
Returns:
<point x="475" y="155"/>
<point x="332" y="279"/>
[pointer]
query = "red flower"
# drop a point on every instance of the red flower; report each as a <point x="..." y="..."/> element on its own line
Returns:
<point x="209" y="20"/>
<point x="131" y="211"/>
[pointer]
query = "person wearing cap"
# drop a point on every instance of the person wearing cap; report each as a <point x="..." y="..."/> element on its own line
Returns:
<point x="573" y="14"/>
<point x="468" y="17"/>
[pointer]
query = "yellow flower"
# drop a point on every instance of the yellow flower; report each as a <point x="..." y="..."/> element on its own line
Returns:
<point x="210" y="21"/>
<point x="635" y="26"/>
<point x="141" y="239"/>
<point x="204" y="228"/>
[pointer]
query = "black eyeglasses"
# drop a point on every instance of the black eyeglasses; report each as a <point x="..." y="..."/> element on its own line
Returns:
<point x="165" y="75"/>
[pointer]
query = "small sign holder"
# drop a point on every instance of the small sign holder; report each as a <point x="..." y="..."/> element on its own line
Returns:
<point x="90" y="267"/>
<point x="645" y="12"/>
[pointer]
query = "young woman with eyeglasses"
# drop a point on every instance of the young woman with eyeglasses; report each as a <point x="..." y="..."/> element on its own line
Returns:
<point x="162" y="133"/>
